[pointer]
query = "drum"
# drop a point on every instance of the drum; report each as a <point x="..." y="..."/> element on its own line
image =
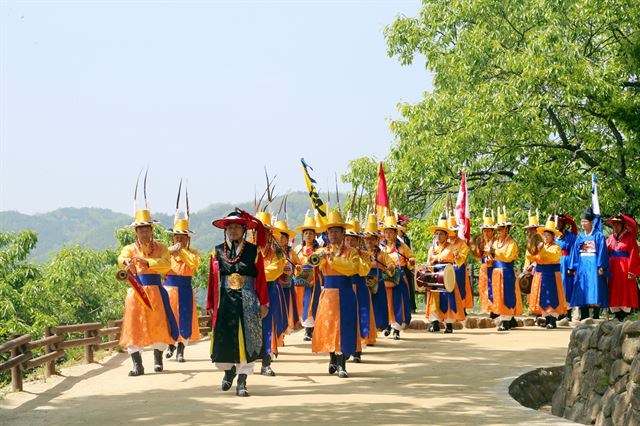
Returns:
<point x="524" y="280"/>
<point x="436" y="278"/>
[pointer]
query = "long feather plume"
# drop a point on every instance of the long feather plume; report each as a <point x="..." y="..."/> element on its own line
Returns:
<point x="178" y="201"/>
<point x="135" y="193"/>
<point x="146" y="201"/>
<point x="186" y="195"/>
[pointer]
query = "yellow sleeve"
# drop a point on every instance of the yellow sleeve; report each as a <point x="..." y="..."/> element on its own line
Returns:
<point x="347" y="265"/>
<point x="293" y="255"/>
<point x="463" y="252"/>
<point x="190" y="257"/>
<point x="162" y="264"/>
<point x="549" y="255"/>
<point x="388" y="262"/>
<point x="274" y="269"/>
<point x="364" y="267"/>
<point x="408" y="253"/>
<point x="125" y="254"/>
<point x="508" y="252"/>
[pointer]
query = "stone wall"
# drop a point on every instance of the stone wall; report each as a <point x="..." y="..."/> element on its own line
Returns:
<point x="601" y="382"/>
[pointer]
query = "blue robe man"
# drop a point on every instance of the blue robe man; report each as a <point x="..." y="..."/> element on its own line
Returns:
<point x="590" y="263"/>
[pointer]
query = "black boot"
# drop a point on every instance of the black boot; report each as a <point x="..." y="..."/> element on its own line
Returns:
<point x="180" y="356"/>
<point x="513" y="323"/>
<point x="396" y="334"/>
<point x="266" y="367"/>
<point x="551" y="322"/>
<point x="241" y="388"/>
<point x="596" y="312"/>
<point x="170" y="351"/>
<point x="619" y="315"/>
<point x="342" y="369"/>
<point x="308" y="334"/>
<point x="227" y="380"/>
<point x="504" y="326"/>
<point x="434" y="327"/>
<point x="493" y="315"/>
<point x="449" y="329"/>
<point x="569" y="311"/>
<point x="333" y="363"/>
<point x="387" y="331"/>
<point x="138" y="369"/>
<point x="584" y="312"/>
<point x="357" y="357"/>
<point x="157" y="360"/>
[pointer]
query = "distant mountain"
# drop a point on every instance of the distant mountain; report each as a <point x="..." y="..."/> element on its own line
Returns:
<point x="95" y="228"/>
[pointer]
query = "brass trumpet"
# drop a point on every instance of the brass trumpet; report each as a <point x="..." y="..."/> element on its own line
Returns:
<point x="313" y="259"/>
<point x="122" y="274"/>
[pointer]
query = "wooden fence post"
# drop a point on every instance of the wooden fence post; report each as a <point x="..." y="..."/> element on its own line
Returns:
<point x="16" y="374"/>
<point x="49" y="367"/>
<point x="88" y="348"/>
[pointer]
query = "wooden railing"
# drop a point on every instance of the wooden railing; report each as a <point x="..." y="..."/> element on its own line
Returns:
<point x="56" y="339"/>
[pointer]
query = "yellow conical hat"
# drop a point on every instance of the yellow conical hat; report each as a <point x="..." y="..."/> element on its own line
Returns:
<point x="283" y="227"/>
<point x="265" y="218"/>
<point x="371" y="228"/>
<point x="309" y="224"/>
<point x="503" y="220"/>
<point x="453" y="224"/>
<point x="487" y="221"/>
<point x="551" y="227"/>
<point x="180" y="226"/>
<point x="355" y="230"/>
<point x="390" y="222"/>
<point x="334" y="220"/>
<point x="142" y="218"/>
<point x="534" y="221"/>
<point x="441" y="226"/>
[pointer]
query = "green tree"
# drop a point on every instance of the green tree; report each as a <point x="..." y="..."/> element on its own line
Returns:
<point x="529" y="97"/>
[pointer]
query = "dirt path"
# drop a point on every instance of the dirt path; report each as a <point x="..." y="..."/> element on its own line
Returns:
<point x="423" y="379"/>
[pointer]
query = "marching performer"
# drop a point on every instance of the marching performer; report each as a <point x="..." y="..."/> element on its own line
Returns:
<point x="275" y="324"/>
<point x="547" y="293"/>
<point x="366" y="321"/>
<point x="308" y="277"/>
<point x="184" y="262"/>
<point x="507" y="301"/>
<point x="380" y="263"/>
<point x="336" y="329"/>
<point x="569" y="231"/>
<point x="148" y="319"/>
<point x="397" y="288"/>
<point x="590" y="266"/>
<point x="442" y="306"/>
<point x="624" y="265"/>
<point x="237" y="298"/>
<point x="482" y="245"/>
<point x="531" y="229"/>
<point x="408" y="274"/>
<point x="287" y="279"/>
<point x="461" y="251"/>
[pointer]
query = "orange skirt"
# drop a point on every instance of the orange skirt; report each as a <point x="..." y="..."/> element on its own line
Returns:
<point x="499" y="306"/>
<point x="142" y="326"/>
<point x="483" y="289"/>
<point x="433" y="307"/>
<point x="326" y="335"/>
<point x="534" y="296"/>
<point x="195" y="325"/>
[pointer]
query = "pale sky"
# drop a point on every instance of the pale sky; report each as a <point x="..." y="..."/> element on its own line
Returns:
<point x="93" y="91"/>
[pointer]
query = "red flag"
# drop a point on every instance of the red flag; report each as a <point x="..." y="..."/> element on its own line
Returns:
<point x="462" y="210"/>
<point x="382" y="199"/>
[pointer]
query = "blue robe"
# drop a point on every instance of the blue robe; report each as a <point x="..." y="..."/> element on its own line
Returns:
<point x="566" y="243"/>
<point x="588" y="254"/>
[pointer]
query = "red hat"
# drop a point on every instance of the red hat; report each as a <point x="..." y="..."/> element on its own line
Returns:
<point x="245" y="219"/>
<point x="629" y="223"/>
<point x="567" y="218"/>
